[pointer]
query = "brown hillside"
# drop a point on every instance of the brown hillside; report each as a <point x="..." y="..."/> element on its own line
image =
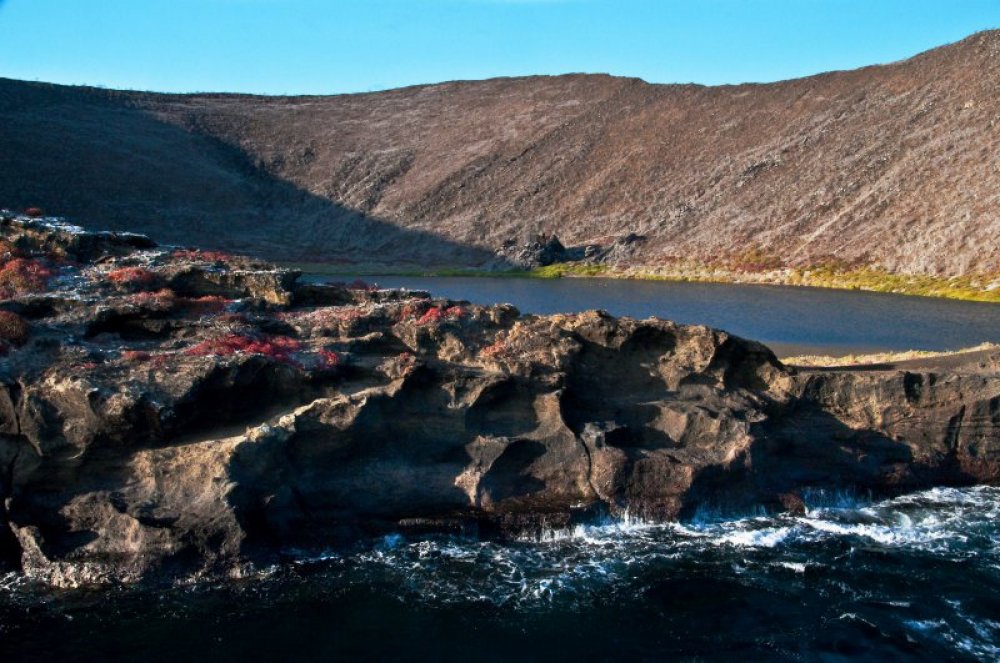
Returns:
<point x="895" y="166"/>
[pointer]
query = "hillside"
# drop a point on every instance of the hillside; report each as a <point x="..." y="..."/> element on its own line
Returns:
<point x="895" y="167"/>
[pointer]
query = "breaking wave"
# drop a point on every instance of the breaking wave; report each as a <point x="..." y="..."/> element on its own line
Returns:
<point x="911" y="578"/>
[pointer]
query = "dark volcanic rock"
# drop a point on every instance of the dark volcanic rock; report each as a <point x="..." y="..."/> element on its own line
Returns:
<point x="539" y="251"/>
<point x="182" y="412"/>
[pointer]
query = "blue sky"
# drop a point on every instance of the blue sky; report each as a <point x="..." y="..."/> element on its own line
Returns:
<point x="330" y="46"/>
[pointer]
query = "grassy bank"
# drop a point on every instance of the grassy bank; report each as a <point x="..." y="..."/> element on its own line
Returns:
<point x="977" y="287"/>
<point x="826" y="361"/>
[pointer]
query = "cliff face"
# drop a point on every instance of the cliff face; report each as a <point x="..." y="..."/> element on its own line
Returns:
<point x="183" y="412"/>
<point x="893" y="166"/>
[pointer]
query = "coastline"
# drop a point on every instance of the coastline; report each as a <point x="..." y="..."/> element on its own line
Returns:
<point x="183" y="414"/>
<point x="983" y="288"/>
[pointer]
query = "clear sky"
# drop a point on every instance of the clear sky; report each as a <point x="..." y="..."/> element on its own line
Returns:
<point x="329" y="46"/>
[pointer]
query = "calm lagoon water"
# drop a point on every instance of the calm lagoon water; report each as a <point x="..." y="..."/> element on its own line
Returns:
<point x="791" y="320"/>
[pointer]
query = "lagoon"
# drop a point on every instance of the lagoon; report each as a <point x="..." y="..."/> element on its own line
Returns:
<point x="791" y="320"/>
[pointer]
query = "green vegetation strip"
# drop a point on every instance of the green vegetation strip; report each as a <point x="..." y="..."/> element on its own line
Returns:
<point x="976" y="287"/>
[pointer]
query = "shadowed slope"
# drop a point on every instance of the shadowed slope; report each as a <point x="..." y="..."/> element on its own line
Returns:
<point x="894" y="166"/>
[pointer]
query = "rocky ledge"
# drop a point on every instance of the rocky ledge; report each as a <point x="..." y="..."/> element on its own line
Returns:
<point x="170" y="413"/>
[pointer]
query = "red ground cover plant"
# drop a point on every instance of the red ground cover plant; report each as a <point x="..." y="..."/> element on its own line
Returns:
<point x="13" y="328"/>
<point x="437" y="314"/>
<point x="279" y="348"/>
<point x="495" y="349"/>
<point x="161" y="300"/>
<point x="8" y="249"/>
<point x="135" y="278"/>
<point x="432" y="315"/>
<point x="135" y="356"/>
<point x="20" y="276"/>
<point x="327" y="360"/>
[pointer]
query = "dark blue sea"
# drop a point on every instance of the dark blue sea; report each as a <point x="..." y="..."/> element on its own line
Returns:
<point x="916" y="578"/>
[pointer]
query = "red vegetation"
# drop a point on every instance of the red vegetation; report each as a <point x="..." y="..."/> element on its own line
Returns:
<point x="135" y="278"/>
<point x="7" y="249"/>
<point x="495" y="349"/>
<point x="327" y="360"/>
<point x="436" y="314"/>
<point x="13" y="328"/>
<point x="432" y="315"/>
<point x="202" y="256"/>
<point x="408" y="312"/>
<point x="135" y="356"/>
<point x="34" y="212"/>
<point x="161" y="300"/>
<point x="22" y="275"/>
<point x="279" y="348"/>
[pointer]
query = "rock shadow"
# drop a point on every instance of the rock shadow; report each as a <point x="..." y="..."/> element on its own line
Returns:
<point x="808" y="448"/>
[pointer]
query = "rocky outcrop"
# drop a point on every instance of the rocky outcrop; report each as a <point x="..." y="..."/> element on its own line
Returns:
<point x="178" y="412"/>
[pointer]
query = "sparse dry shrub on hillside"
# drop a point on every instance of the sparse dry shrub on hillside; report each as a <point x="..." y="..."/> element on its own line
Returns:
<point x="756" y="260"/>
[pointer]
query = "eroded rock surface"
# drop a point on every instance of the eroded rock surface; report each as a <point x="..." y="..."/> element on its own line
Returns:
<point x="179" y="412"/>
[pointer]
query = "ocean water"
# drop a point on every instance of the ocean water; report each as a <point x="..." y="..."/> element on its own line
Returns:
<point x="792" y="320"/>
<point x="916" y="578"/>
